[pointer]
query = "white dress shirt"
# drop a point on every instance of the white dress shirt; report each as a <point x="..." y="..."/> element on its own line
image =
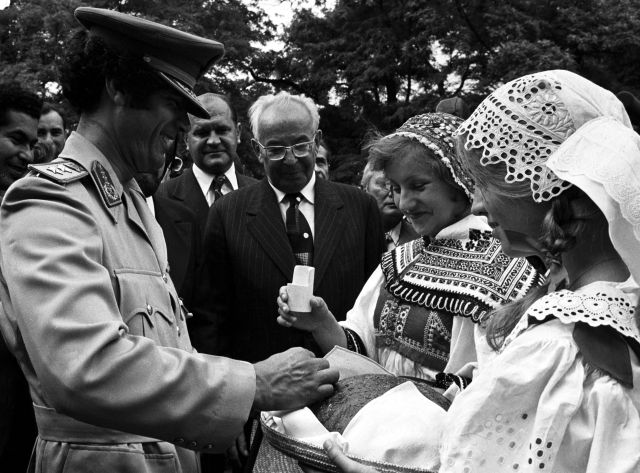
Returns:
<point x="205" y="179"/>
<point x="305" y="206"/>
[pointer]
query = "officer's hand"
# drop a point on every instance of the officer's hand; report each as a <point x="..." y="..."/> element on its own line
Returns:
<point x="238" y="452"/>
<point x="292" y="379"/>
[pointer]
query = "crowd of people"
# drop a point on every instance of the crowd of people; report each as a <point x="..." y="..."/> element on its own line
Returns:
<point x="145" y="315"/>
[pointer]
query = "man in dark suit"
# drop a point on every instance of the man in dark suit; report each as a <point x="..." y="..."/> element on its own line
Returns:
<point x="19" y="112"/>
<point x="251" y="233"/>
<point x="212" y="144"/>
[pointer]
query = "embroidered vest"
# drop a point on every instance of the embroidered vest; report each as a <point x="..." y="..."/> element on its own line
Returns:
<point x="423" y="335"/>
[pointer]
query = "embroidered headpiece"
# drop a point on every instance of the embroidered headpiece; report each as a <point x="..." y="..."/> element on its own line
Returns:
<point x="436" y="132"/>
<point x="523" y="123"/>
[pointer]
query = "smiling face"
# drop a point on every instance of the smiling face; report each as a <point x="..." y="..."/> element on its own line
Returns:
<point x="212" y="142"/>
<point x="287" y="125"/>
<point x="51" y="131"/>
<point x="18" y="135"/>
<point x="429" y="203"/>
<point x="145" y="135"/>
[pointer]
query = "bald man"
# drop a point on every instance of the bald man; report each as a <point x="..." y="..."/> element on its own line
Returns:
<point x="212" y="144"/>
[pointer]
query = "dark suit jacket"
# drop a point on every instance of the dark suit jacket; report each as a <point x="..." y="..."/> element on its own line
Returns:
<point x="185" y="189"/>
<point x="248" y="258"/>
<point x="182" y="233"/>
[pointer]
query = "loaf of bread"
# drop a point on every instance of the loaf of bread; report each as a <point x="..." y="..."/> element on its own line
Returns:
<point x="353" y="393"/>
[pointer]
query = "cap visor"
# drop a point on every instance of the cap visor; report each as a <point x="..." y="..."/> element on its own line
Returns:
<point x="194" y="107"/>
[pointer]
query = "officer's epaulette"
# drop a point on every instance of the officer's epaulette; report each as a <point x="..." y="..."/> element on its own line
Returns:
<point x="62" y="172"/>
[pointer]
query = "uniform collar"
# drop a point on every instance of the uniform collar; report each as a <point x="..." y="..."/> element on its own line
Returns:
<point x="81" y="151"/>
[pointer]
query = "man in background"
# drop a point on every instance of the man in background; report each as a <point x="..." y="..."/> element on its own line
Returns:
<point x="19" y="113"/>
<point x="52" y="133"/>
<point x="397" y="230"/>
<point x="212" y="143"/>
<point x="322" y="160"/>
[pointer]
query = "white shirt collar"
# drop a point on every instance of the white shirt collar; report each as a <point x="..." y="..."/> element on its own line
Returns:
<point x="308" y="191"/>
<point x="151" y="205"/>
<point x="205" y="179"/>
<point x="394" y="233"/>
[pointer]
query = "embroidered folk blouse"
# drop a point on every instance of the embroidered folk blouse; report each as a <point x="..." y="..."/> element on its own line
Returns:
<point x="542" y="405"/>
<point x="421" y="312"/>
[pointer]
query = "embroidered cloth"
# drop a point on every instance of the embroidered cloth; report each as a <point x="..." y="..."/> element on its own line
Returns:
<point x="467" y="277"/>
<point x="418" y="333"/>
<point x="595" y="305"/>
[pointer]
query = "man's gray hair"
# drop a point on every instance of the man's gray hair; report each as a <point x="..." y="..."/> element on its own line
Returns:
<point x="281" y="98"/>
<point x="367" y="174"/>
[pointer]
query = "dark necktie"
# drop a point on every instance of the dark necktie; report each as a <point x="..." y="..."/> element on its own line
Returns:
<point x="298" y="231"/>
<point x="216" y="186"/>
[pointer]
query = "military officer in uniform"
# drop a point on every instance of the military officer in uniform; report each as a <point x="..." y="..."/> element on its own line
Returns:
<point x="90" y="311"/>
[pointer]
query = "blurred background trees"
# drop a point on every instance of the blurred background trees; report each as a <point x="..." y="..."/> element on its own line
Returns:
<point x="369" y="64"/>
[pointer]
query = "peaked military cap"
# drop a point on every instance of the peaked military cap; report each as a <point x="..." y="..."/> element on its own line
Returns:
<point x="179" y="58"/>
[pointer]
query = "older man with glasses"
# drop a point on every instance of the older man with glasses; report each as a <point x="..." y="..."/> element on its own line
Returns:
<point x="256" y="235"/>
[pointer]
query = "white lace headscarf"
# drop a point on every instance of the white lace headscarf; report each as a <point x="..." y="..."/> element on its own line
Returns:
<point x="523" y="123"/>
<point x="556" y="129"/>
<point x="603" y="159"/>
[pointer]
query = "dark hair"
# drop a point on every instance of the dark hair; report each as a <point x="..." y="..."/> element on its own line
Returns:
<point x="384" y="150"/>
<point x="88" y="62"/>
<point x="14" y="97"/>
<point x="48" y="107"/>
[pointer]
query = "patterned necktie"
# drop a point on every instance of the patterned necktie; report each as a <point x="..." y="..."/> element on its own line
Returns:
<point x="299" y="231"/>
<point x="216" y="186"/>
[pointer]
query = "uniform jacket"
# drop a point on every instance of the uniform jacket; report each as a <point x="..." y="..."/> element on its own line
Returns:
<point x="248" y="258"/>
<point x="96" y="325"/>
<point x="182" y="235"/>
<point x="185" y="189"/>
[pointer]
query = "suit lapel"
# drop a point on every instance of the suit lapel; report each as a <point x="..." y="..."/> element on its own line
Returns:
<point x="243" y="180"/>
<point x="264" y="222"/>
<point x="188" y="191"/>
<point x="329" y="227"/>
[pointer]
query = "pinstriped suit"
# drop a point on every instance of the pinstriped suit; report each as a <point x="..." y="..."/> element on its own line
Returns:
<point x="248" y="257"/>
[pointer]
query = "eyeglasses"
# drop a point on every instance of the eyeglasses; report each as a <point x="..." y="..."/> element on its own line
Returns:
<point x="276" y="153"/>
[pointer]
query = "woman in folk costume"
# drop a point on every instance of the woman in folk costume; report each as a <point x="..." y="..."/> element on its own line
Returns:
<point x="559" y="169"/>
<point x="420" y="312"/>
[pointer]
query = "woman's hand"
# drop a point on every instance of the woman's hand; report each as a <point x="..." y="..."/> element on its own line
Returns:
<point x="344" y="463"/>
<point x="309" y="321"/>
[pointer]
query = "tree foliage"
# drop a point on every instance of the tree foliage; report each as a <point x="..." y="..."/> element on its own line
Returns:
<point x="367" y="63"/>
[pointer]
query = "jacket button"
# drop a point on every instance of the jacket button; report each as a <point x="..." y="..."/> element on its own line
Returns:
<point x="149" y="309"/>
<point x="209" y="446"/>
<point x="193" y="444"/>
